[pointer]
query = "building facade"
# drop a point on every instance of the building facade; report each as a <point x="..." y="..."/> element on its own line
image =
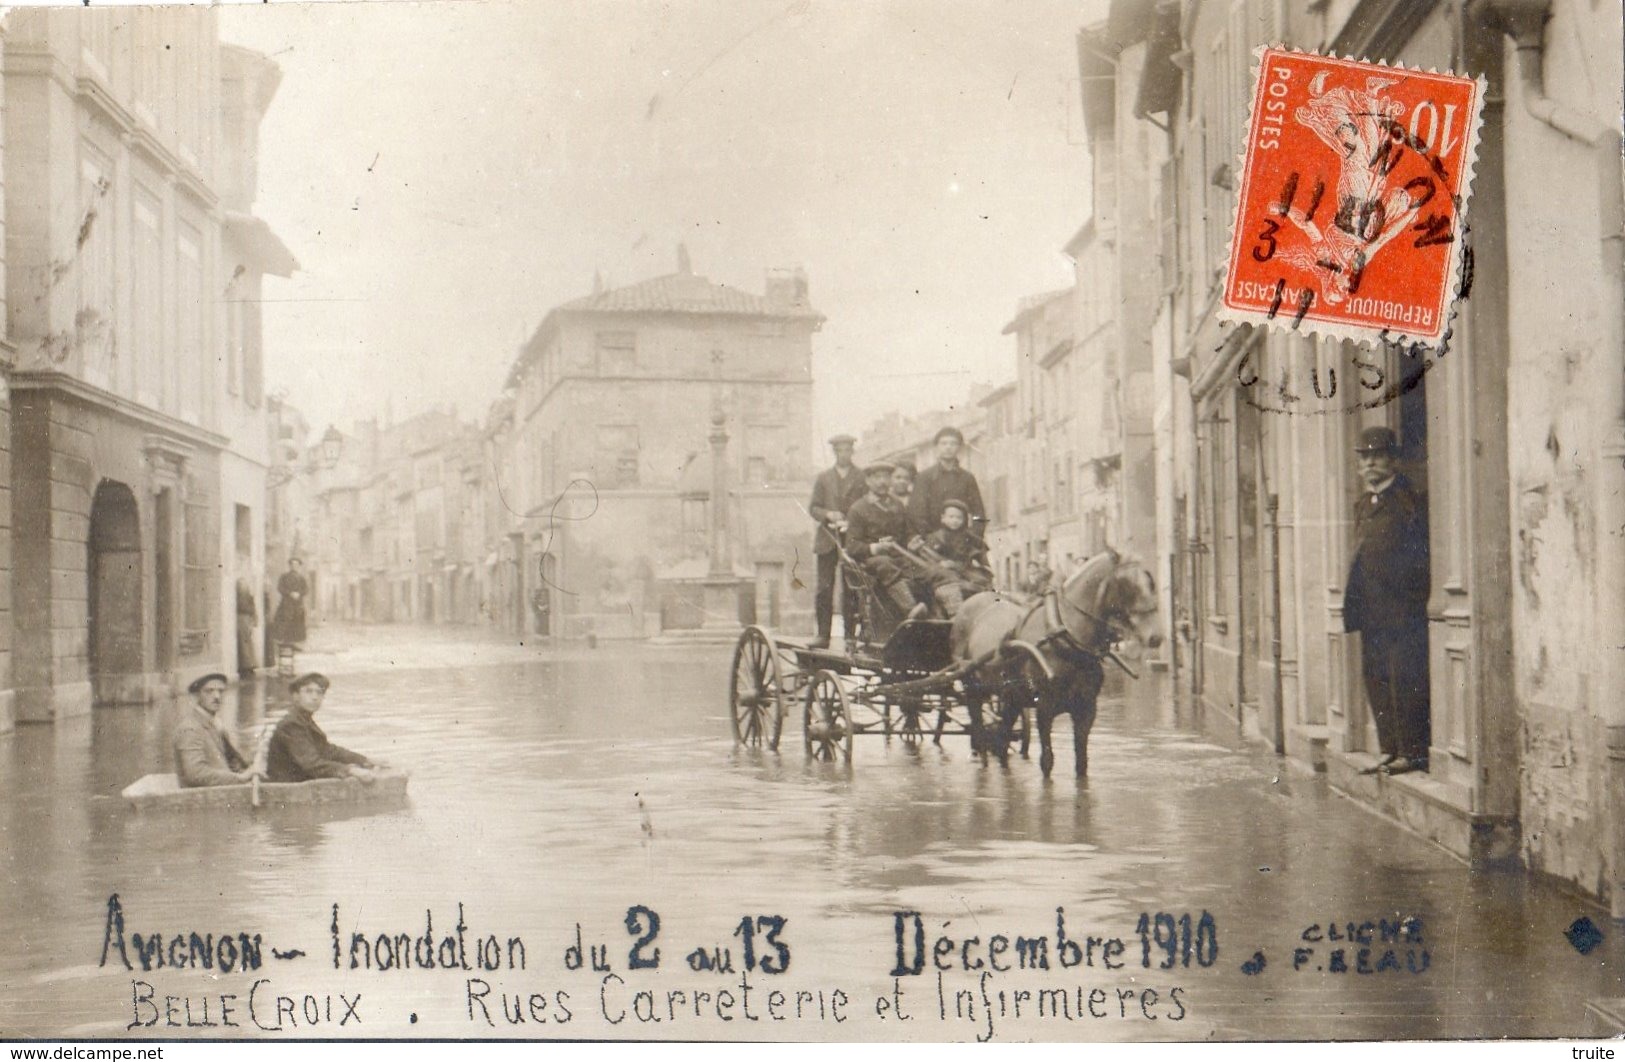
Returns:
<point x="391" y="527"/>
<point x="607" y="477"/>
<point x="137" y="409"/>
<point x="8" y="694"/>
<point x="1517" y="437"/>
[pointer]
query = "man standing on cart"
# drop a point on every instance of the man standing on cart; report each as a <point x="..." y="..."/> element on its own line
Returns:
<point x="834" y="492"/>
<point x="875" y="525"/>
<point x="946" y="481"/>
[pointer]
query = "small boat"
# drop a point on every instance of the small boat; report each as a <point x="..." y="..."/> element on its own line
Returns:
<point x="163" y="792"/>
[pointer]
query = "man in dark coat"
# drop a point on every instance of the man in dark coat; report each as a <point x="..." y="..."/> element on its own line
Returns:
<point x="288" y="626"/>
<point x="834" y="491"/>
<point x="1386" y="601"/>
<point x="875" y="524"/>
<point x="943" y="482"/>
<point x="299" y="749"/>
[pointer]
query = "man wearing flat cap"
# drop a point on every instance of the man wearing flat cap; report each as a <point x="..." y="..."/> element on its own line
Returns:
<point x="204" y="755"/>
<point x="946" y="481"/>
<point x="834" y="492"/>
<point x="1386" y="601"/>
<point x="876" y="524"/>
<point x="299" y="748"/>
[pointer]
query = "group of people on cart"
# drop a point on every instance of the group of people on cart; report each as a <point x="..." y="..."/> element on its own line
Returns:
<point x="917" y="537"/>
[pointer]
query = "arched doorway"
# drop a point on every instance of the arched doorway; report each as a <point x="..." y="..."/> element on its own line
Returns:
<point x="115" y="613"/>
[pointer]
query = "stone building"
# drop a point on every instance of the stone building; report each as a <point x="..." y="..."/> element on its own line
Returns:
<point x="137" y="408"/>
<point x="1000" y="475"/>
<point x="393" y="535"/>
<point x="1046" y="399"/>
<point x="1518" y="436"/>
<point x="607" y="472"/>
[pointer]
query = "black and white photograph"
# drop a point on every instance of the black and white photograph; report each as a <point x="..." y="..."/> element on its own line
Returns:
<point x="782" y="520"/>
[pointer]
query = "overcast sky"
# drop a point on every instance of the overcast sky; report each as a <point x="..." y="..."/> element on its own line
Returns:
<point x="447" y="172"/>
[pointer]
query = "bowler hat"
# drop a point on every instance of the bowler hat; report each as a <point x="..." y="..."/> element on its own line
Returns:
<point x="878" y="466"/>
<point x="1377" y="441"/>
<point x="306" y="679"/>
<point x="199" y="682"/>
<point x="843" y="439"/>
<point x="947" y="432"/>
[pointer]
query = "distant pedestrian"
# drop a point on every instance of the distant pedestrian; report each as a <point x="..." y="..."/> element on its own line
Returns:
<point x="1386" y="601"/>
<point x="288" y="626"/>
<point x="1038" y="578"/>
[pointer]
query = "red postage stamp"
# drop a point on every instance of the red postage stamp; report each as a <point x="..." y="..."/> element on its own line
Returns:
<point x="1354" y="184"/>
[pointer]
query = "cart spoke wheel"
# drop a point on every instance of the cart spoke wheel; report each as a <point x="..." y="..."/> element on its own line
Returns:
<point x="826" y="719"/>
<point x="756" y="690"/>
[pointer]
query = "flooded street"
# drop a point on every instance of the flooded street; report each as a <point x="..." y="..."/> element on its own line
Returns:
<point x="551" y="788"/>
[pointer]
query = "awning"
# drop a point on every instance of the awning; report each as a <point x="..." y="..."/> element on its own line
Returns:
<point x="264" y="248"/>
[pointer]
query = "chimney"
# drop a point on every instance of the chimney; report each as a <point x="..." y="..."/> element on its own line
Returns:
<point x="787" y="288"/>
<point x="684" y="266"/>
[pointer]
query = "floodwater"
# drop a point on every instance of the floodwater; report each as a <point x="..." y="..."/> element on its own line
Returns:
<point x="557" y="789"/>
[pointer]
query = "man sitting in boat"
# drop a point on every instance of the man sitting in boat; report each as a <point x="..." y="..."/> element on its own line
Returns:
<point x="300" y="751"/>
<point x="204" y="755"/>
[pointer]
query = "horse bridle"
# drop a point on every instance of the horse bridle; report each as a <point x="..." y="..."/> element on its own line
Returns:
<point x="1110" y="631"/>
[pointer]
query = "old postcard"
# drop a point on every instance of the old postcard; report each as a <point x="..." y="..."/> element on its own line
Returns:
<point x="775" y="520"/>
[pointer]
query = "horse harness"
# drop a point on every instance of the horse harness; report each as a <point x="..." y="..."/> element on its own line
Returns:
<point x="1062" y="640"/>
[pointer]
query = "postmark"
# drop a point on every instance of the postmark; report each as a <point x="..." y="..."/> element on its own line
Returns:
<point x="1354" y="186"/>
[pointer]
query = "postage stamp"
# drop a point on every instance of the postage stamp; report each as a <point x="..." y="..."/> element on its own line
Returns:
<point x="1354" y="185"/>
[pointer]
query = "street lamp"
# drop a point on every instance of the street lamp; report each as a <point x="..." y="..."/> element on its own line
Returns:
<point x="332" y="446"/>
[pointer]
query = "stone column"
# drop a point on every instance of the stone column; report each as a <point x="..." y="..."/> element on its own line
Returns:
<point x="721" y="586"/>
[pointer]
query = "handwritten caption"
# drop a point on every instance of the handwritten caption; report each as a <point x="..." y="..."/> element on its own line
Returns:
<point x="640" y="978"/>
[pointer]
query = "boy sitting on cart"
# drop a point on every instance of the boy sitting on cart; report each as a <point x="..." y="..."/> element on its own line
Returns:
<point x="875" y="527"/>
<point x="957" y="557"/>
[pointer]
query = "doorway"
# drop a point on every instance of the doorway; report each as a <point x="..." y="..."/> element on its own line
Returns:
<point x="114" y="572"/>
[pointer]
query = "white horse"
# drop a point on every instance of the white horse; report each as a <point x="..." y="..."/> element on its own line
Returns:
<point x="1050" y="651"/>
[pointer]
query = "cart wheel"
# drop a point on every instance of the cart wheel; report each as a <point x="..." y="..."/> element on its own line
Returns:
<point x="756" y="691"/>
<point x="826" y="719"/>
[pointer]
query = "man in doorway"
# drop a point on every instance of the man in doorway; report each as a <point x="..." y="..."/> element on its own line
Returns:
<point x="300" y="750"/>
<point x="1386" y="601"/>
<point x="943" y="482"/>
<point x="204" y="755"/>
<point x="247" y="617"/>
<point x="834" y="491"/>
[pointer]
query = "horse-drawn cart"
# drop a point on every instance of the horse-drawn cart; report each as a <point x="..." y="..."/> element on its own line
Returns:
<point x="904" y="679"/>
<point x="906" y="688"/>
